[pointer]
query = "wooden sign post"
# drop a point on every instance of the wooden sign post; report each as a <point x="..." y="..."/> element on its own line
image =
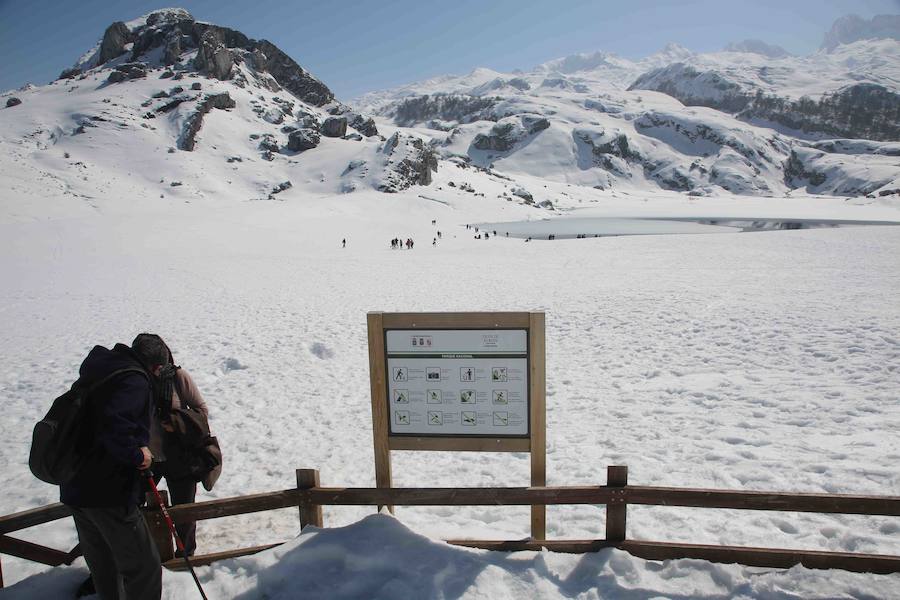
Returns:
<point x="471" y="382"/>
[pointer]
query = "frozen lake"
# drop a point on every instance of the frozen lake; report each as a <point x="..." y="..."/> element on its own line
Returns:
<point x="574" y="227"/>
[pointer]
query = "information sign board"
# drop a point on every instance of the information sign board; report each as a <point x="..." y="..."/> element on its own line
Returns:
<point x="458" y="382"/>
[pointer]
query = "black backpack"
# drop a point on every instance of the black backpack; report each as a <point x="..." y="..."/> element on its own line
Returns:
<point x="57" y="448"/>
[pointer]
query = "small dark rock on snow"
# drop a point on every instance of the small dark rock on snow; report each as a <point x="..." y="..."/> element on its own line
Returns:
<point x="285" y="185"/>
<point x="13" y="102"/>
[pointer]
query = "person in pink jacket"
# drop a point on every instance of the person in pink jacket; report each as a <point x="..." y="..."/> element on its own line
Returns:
<point x="182" y="488"/>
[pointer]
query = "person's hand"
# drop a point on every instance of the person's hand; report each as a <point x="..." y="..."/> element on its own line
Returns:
<point x="148" y="458"/>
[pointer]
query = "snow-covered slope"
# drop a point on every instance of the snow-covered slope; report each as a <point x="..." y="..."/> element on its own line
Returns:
<point x="774" y="102"/>
<point x="194" y="110"/>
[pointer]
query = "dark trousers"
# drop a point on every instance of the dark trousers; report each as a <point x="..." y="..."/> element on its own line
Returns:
<point x="120" y="553"/>
<point x="181" y="491"/>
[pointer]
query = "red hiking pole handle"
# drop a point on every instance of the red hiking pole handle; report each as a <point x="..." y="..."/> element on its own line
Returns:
<point x="171" y="524"/>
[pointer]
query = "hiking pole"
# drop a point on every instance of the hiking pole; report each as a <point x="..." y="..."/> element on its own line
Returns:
<point x="174" y="533"/>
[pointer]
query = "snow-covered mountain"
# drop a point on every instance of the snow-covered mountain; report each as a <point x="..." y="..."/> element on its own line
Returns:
<point x="186" y="108"/>
<point x="748" y="120"/>
<point x="166" y="100"/>
<point x="852" y="28"/>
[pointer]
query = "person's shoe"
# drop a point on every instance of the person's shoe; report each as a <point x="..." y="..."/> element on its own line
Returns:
<point x="86" y="588"/>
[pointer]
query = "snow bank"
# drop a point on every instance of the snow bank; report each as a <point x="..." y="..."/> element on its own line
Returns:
<point x="379" y="557"/>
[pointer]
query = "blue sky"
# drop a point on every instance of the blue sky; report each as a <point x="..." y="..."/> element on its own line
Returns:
<point x="356" y="46"/>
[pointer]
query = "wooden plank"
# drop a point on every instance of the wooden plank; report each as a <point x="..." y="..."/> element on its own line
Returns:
<point x="200" y="560"/>
<point x="747" y="500"/>
<point x="226" y="507"/>
<point x="765" y="557"/>
<point x="616" y="477"/>
<point x="33" y="516"/>
<point x="310" y="514"/>
<point x="756" y="557"/>
<point x="380" y="411"/>
<point x="463" y="320"/>
<point x="565" y="546"/>
<point x="538" y="416"/>
<point x="33" y="552"/>
<point x="459" y="496"/>
<point x="460" y="444"/>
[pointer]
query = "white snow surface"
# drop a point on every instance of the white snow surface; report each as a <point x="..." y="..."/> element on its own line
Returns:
<point x="763" y="361"/>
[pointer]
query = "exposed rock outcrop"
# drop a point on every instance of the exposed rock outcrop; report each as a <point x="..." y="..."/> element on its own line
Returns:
<point x="128" y="71"/>
<point x="284" y="185"/>
<point x="13" y="102"/>
<point x="411" y="163"/>
<point x="195" y="121"/>
<point x="862" y="110"/>
<point x="302" y="140"/>
<point x="852" y="28"/>
<point x="114" y="39"/>
<point x="70" y="73"/>
<point x="446" y="107"/>
<point x="510" y="131"/>
<point x="292" y="76"/>
<point x="334" y="127"/>
<point x="213" y="57"/>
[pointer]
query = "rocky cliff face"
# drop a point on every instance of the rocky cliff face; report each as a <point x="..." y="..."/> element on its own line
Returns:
<point x="863" y="110"/>
<point x="215" y="50"/>
<point x="853" y="28"/>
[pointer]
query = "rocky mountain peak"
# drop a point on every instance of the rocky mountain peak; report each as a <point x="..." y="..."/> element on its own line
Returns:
<point x="173" y="37"/>
<point x="852" y="28"/>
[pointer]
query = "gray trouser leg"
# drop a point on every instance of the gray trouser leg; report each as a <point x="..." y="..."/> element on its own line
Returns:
<point x="120" y="553"/>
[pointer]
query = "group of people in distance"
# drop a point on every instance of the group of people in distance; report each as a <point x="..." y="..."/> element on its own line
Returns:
<point x="129" y="439"/>
<point x="397" y="243"/>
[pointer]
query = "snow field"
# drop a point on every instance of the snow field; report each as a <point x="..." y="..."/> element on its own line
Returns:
<point x="749" y="361"/>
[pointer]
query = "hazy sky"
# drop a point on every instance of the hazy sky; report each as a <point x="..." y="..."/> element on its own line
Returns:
<point x="355" y="46"/>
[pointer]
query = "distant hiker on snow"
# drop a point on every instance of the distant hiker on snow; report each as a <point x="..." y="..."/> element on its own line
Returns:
<point x="344" y="243"/>
<point x="107" y="489"/>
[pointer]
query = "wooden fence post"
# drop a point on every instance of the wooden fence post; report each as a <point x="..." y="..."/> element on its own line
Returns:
<point x="159" y="530"/>
<point x="310" y="514"/>
<point x="616" y="477"/>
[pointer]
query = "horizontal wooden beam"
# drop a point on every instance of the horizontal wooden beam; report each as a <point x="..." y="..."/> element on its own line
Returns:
<point x="34" y="516"/>
<point x="460" y="444"/>
<point x="658" y="496"/>
<point x="33" y="552"/>
<point x="227" y="507"/>
<point x="698" y="498"/>
<point x="178" y="564"/>
<point x="756" y="557"/>
<point x="564" y="546"/>
<point x="476" y="320"/>
<point x="459" y="496"/>
<point x="765" y="557"/>
<point x="748" y="500"/>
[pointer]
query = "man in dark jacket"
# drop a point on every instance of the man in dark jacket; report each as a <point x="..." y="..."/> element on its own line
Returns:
<point x="106" y="492"/>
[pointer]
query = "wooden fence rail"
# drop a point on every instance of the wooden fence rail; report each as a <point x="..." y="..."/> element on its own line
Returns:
<point x="616" y="495"/>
